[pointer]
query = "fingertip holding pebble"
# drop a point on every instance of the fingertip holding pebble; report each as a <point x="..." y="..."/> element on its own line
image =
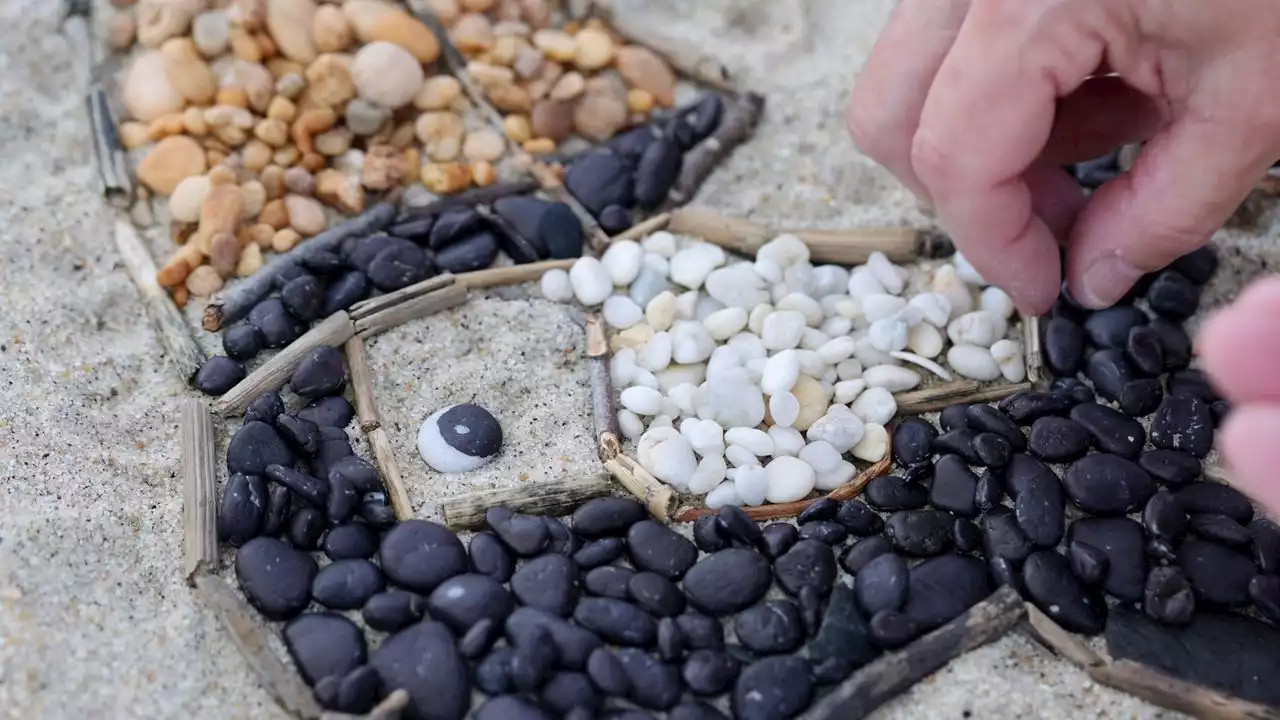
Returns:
<point x="459" y="438"/>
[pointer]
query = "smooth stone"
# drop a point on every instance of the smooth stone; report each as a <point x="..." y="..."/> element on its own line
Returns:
<point x="609" y="581"/>
<point x="358" y="690"/>
<point x="825" y="531"/>
<point x="1222" y="529"/>
<point x="1110" y="372"/>
<point x="424" y="660"/>
<point x="313" y="490"/>
<point x="1219" y="575"/>
<point x="600" y="552"/>
<point x="1088" y="563"/>
<point x="617" y="621"/>
<point x="808" y="562"/>
<point x="343" y="501"/>
<point x="509" y="707"/>
<point x="959" y="442"/>
<point x="1063" y="346"/>
<point x="1106" y="484"/>
<point x="737" y="525"/>
<point x="459" y="438"/>
<point x="819" y="510"/>
<point x="770" y="627"/>
<point x="954" y="417"/>
<point x="303" y="297"/>
<point x="332" y="411"/>
<point x="520" y="249"/>
<point x="304" y="528"/>
<point x="1112" y="431"/>
<point x="1141" y="397"/>
<point x="464" y="600"/>
<point x="1199" y="265"/>
<point x="1074" y="389"/>
<point x="522" y="212"/>
<point x="265" y="408"/>
<point x="548" y="583"/>
<point x="303" y="435"/>
<point x="534" y="660"/>
<point x="393" y="610"/>
<point x="1039" y="510"/>
<point x="567" y="691"/>
<point x="656" y="173"/>
<point x="1006" y="572"/>
<point x="1003" y="536"/>
<point x="1145" y="351"/>
<point x="706" y="117"/>
<point x="991" y="449"/>
<point x="953" y="486"/>
<point x="242" y="509"/>
<point x="1213" y="497"/>
<point x="490" y="556"/>
<point x="1122" y="541"/>
<point x="942" y="588"/>
<point x="606" y="672"/>
<point x="843" y="641"/>
<point x="1192" y="381"/>
<point x="242" y="341"/>
<point x="708" y="535"/>
<point x="728" y="581"/>
<point x="966" y="535"/>
<point x="615" y="219"/>
<point x="600" y="178"/>
<point x="324" y="644"/>
<point x="275" y="578"/>
<point x="524" y="535"/>
<point x="709" y="672"/>
<point x="1183" y="422"/>
<point x="700" y="632"/>
<point x="1264" y="591"/>
<point x="346" y="291"/>
<point x="1022" y="471"/>
<point x="651" y="683"/>
<point x="322" y="372"/>
<point x="255" y="446"/>
<point x="607" y="516"/>
<point x="362" y="475"/>
<point x="858" y="519"/>
<point x="656" y="548"/>
<point x="777" y="539"/>
<point x="475" y="252"/>
<point x="1173" y="295"/>
<point x="218" y="375"/>
<point x="277" y="325"/>
<point x="1175" y="343"/>
<point x="858" y="555"/>
<point x="1266" y="546"/>
<point x="892" y="630"/>
<point x="1164" y="516"/>
<point x="419" y="555"/>
<point x="1168" y="598"/>
<point x="671" y="642"/>
<point x="989" y="492"/>
<point x="882" y="584"/>
<point x="561" y="232"/>
<point x="347" y="584"/>
<point x="985" y="418"/>
<point x="1110" y="327"/>
<point x="1026" y="407"/>
<point x="573" y="644"/>
<point x="919" y="533"/>
<point x="913" y="440"/>
<point x="1056" y="439"/>
<point x="493" y="672"/>
<point x="891" y="492"/>
<point x="279" y="504"/>
<point x="562" y="540"/>
<point x="774" y="687"/>
<point x="1060" y="595"/>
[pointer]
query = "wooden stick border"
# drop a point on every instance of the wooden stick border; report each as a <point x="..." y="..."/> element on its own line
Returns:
<point x="371" y="426"/>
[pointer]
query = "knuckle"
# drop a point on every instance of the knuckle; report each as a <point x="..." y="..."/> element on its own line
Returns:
<point x="933" y="160"/>
<point x="870" y="128"/>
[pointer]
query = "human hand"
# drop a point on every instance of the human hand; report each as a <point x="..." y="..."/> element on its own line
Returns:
<point x="975" y="105"/>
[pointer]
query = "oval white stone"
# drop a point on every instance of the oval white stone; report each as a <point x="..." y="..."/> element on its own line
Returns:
<point x="997" y="301"/>
<point x="690" y="342"/>
<point x="621" y="312"/>
<point x="691" y="266"/>
<point x="723" y="495"/>
<point x="846" y="391"/>
<point x="875" y="405"/>
<point x="641" y="400"/>
<point x="555" y="286"/>
<point x="891" y="378"/>
<point x="842" y="473"/>
<point x="660" y="313"/>
<point x="623" y="259"/>
<point x="784" y="408"/>
<point x="710" y="473"/>
<point x="863" y="283"/>
<point x="782" y="329"/>
<point x="786" y="440"/>
<point x="980" y="327"/>
<point x="889" y="334"/>
<point x="925" y="340"/>
<point x="780" y="373"/>
<point x="757" y="441"/>
<point x="820" y="455"/>
<point x="947" y="283"/>
<point x="790" y="479"/>
<point x="874" y="444"/>
<point x="630" y="424"/>
<point x="723" y="324"/>
<point x="667" y="456"/>
<point x="590" y="280"/>
<point x="655" y="356"/>
<point x="886" y="272"/>
<point x="751" y="482"/>
<point x="934" y="308"/>
<point x="740" y="456"/>
<point x="973" y="362"/>
<point x="660" y="243"/>
<point x="839" y="426"/>
<point x="1008" y="355"/>
<point x="881" y="306"/>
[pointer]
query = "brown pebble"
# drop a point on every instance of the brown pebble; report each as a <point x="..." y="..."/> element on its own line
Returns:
<point x="204" y="281"/>
<point x="244" y="46"/>
<point x="287" y="156"/>
<point x="259" y="234"/>
<point x="446" y="178"/>
<point x="193" y="119"/>
<point x="133" y="134"/>
<point x="331" y="30"/>
<point x="643" y="69"/>
<point x="275" y="214"/>
<point x="510" y="98"/>
<point x="256" y="155"/>
<point x="441" y="135"/>
<point x="272" y="132"/>
<point x="250" y="260"/>
<point x="639" y="101"/>
<point x="333" y="143"/>
<point x="166" y="125"/>
<point x="309" y="123"/>
<point x="540" y="85"/>
<point x="438" y="93"/>
<point x="483" y="144"/>
<point x="306" y="214"/>
<point x="593" y="51"/>
<point x="187" y="71"/>
<point x="224" y="253"/>
<point x="285" y="240"/>
<point x="159" y="21"/>
<point x="282" y="109"/>
<point x="568" y="87"/>
<point x="528" y="63"/>
<point x="472" y="33"/>
<point x="552" y="119"/>
<point x="329" y="80"/>
<point x="272" y="177"/>
<point x="540" y="146"/>
<point x="446" y="11"/>
<point x="220" y="212"/>
<point x="233" y="96"/>
<point x="179" y="266"/>
<point x="299" y="182"/>
<point x="180" y="295"/>
<point x="556" y="45"/>
<point x="517" y="127"/>
<point x="483" y="173"/>
<point x="335" y="188"/>
<point x="384" y="167"/>
<point x="487" y="75"/>
<point x="171" y="160"/>
<point x="290" y="23"/>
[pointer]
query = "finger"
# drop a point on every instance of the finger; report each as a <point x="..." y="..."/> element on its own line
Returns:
<point x="1186" y="182"/>
<point x="1248" y="442"/>
<point x="1056" y="197"/>
<point x="1237" y="345"/>
<point x="987" y="120"/>
<point x="885" y="106"/>
<point x="1103" y="114"/>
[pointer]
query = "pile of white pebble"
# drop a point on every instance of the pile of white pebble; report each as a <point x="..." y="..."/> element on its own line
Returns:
<point x="710" y="348"/>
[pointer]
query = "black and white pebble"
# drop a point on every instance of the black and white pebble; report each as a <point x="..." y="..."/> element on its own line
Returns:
<point x="859" y="519"/>
<point x="807" y="563"/>
<point x="274" y="577"/>
<point x="1060" y="595"/>
<point x="1168" y="597"/>
<point x="617" y="621"/>
<point x="490" y="556"/>
<point x="858" y="555"/>
<point x="463" y="600"/>
<point x="954" y="485"/>
<point x="771" y="688"/>
<point x="941" y="588"/>
<point x="324" y="644"/>
<point x="919" y="533"/>
<point x="459" y="438"/>
<point x="1219" y="575"/>
<point x="242" y="509"/>
<point x="305" y="528"/>
<point x="770" y="627"/>
<point x="1057" y="439"/>
<point x="1122" y="541"/>
<point x="393" y="610"/>
<point x="708" y="534"/>
<point x="651" y="683"/>
<point x="596" y="553"/>
<point x="891" y="492"/>
<point x="320" y="373"/>
<point x="331" y="411"/>
<point x="882" y="584"/>
<point x="347" y="584"/>
<point x="419" y="555"/>
<point x="657" y="548"/>
<point x="255" y="446"/>
<point x="423" y="659"/>
<point x="1106" y="484"/>
<point x="219" y="374"/>
<point x="607" y="516"/>
<point x="548" y="583"/>
<point x="1183" y="422"/>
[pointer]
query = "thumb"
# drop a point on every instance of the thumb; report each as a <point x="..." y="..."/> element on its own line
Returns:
<point x="1182" y="188"/>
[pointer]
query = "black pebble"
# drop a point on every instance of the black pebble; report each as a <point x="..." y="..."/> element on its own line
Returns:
<point x="657" y="548"/>
<point x="1088" y="563"/>
<point x="563" y="541"/>
<point x="243" y="507"/>
<point x="953" y="487"/>
<point x="1106" y="484"/>
<point x="1039" y="510"/>
<point x="1006" y="572"/>
<point x="989" y="491"/>
<point x="562" y="233"/>
<point x="1212" y="497"/>
<point x="464" y="600"/>
<point x="453" y="225"/>
<point x="920" y="533"/>
<point x="331" y="411"/>
<point x="303" y="435"/>
<point x="651" y="683"/>
<point x="1164" y="516"/>
<point x="707" y="534"/>
<point x="1264" y="591"/>
<point x="242" y="341"/>
<point x="985" y="418"/>
<point x="882" y="584"/>
<point x="859" y="519"/>
<point x="657" y="172"/>
<point x="287" y="274"/>
<point x="1122" y="541"/>
<point x="522" y="213"/>
<point x="303" y="297"/>
<point x="493" y="672"/>
<point x="346" y="291"/>
<point x="324" y="263"/>
<point x="548" y="583"/>
<point x="274" y="577"/>
<point x="1145" y="351"/>
<point x="967" y="536"/>
<point x="775" y="687"/>
<point x="1060" y="595"/>
<point x="617" y="621"/>
<point x="306" y="525"/>
<point x="1025" y="407"/>
<point x="1183" y="422"/>
<point x="954" y="417"/>
<point x="959" y="442"/>
<point x="1109" y="328"/>
<point x="1056" y="439"/>
<point x="706" y="116"/>
<point x="573" y="643"/>
<point x="992" y="449"/>
<point x="770" y="627"/>
<point x="219" y="374"/>
<point x="808" y="562"/>
<point x="615" y="219"/>
<point x="831" y="533"/>
<point x="320" y="373"/>
<point x="630" y="144"/>
<point x="424" y="660"/>
<point x="347" y="584"/>
<point x="1220" y="528"/>
<point x="819" y="510"/>
<point x="607" y="516"/>
<point x="700" y="631"/>
<point x="913" y="440"/>
<point x="313" y="490"/>
<point x="509" y="707"/>
<point x="891" y="492"/>
<point x="1192" y="381"/>
<point x="1110" y="372"/>
<point x="709" y="672"/>
<point x="599" y="552"/>
<point x="843" y="641"/>
<point x="534" y="660"/>
<point x="393" y="610"/>
<point x="863" y="552"/>
<point x="1219" y="575"/>
<point x="1073" y="388"/>
<point x="671" y="642"/>
<point x="778" y="538"/>
<point x="479" y="638"/>
<point x="475" y="252"/>
<point x="278" y="326"/>
<point x="1167" y="597"/>
<point x="526" y="535"/>
<point x="360" y="251"/>
<point x="655" y="594"/>
<point x="891" y="629"/>
<point x="605" y="670"/>
<point x="1139" y="398"/>
<point x="1266" y="546"/>
<point x="1173" y="295"/>
<point x="736" y="525"/>
<point x="569" y="690"/>
<point x="730" y="580"/>
<point x="419" y="555"/>
<point x="279" y="505"/>
<point x="600" y="178"/>
<point x="324" y="644"/>
<point x="265" y="409"/>
<point x="358" y="690"/>
<point x="1024" y="470"/>
<point x="1063" y="346"/>
<point x="343" y="501"/>
<point x="362" y="475"/>
<point x="1003" y="536"/>
<point x="1198" y="265"/>
<point x="490" y="557"/>
<point x="609" y="581"/>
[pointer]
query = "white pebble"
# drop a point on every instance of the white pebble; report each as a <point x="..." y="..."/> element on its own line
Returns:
<point x="948" y="284"/>
<point x="641" y="400"/>
<point x="622" y="312"/>
<point x="842" y="473"/>
<point x="623" y="259"/>
<point x="786" y="440"/>
<point x="647" y="285"/>
<point x="889" y="334"/>
<point x="722" y="359"/>
<point x="784" y="408"/>
<point x="667" y="456"/>
<point x="752" y="482"/>
<point x="755" y="319"/>
<point x="555" y="286"/>
<point x="660" y="313"/>
<point x="705" y="307"/>
<point x="709" y="474"/>
<point x="732" y="399"/>
<point x="974" y="362"/>
<point x="995" y="300"/>
<point x="683" y="396"/>
<point x="892" y="378"/>
<point x="1008" y="355"/>
<point x="657" y="263"/>
<point x="810" y="362"/>
<point x="690" y="342"/>
<point x="836" y="326"/>
<point x="862" y="282"/>
<point x="804" y="305"/>
<point x="790" y="479"/>
<point x="662" y="421"/>
<point x="670" y="409"/>
<point x="757" y="441"/>
<point x="881" y="306"/>
<point x="785" y="250"/>
<point x="830" y="280"/>
<point x="622" y="367"/>
<point x="590" y="280"/>
<point x="691" y="266"/>
<point x="820" y="455"/>
<point x="934" y="308"/>
<point x="869" y="355"/>
<point x="812" y="339"/>
<point x="768" y="270"/>
<point x="980" y="327"/>
<point x="724" y="495"/>
<point x="875" y="405"/>
<point x="645" y="378"/>
<point x="724" y="324"/>
<point x="886" y="272"/>
<point x="706" y="437"/>
<point x="873" y="445"/>
<point x="630" y="424"/>
<point x="655" y="356"/>
<point x="925" y="340"/>
<point x="687" y="305"/>
<point x="782" y="329"/>
<point x="737" y="286"/>
<point x="846" y="391"/>
<point x="740" y="456"/>
<point x="850" y="369"/>
<point x="660" y="243"/>
<point x="674" y="375"/>
<point x="837" y="350"/>
<point x="925" y="363"/>
<point x="748" y="346"/>
<point x="798" y="278"/>
<point x="839" y="426"/>
<point x="966" y="271"/>
<point x="780" y="373"/>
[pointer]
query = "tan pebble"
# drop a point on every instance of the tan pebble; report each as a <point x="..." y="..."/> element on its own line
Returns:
<point x="410" y="165"/>
<point x="506" y="11"/>
<point x="278" y="67"/>
<point x="250" y="260"/>
<point x="287" y="156"/>
<point x="446" y="11"/>
<point x="272" y="178"/>
<point x="504" y="50"/>
<point x="350" y="162"/>
<point x="254" y="196"/>
<point x="568" y="87"/>
<point x="556" y="45"/>
<point x="342" y="191"/>
<point x="225" y="115"/>
<point x="517" y="127"/>
<point x="299" y="182"/>
<point x="166" y="125"/>
<point x="552" y="119"/>
<point x="644" y="70"/>
<point x="269" y="49"/>
<point x="597" y="116"/>
<point x="483" y="174"/>
<point x="633" y="337"/>
<point x="256" y="155"/>
<point x="446" y="178"/>
<point x="528" y="63"/>
<point x="181" y="295"/>
<point x="275" y="214"/>
<point x="441" y="135"/>
<point x="402" y="135"/>
<point x="331" y="30"/>
<point x="245" y="46"/>
<point x="180" y="232"/>
<point x="220" y="213"/>
<point x="259" y="234"/>
<point x="224" y="253"/>
<point x="171" y="160"/>
<point x="179" y="266"/>
<point x="306" y="215"/>
<point x="272" y="132"/>
<point x="211" y="32"/>
<point x="159" y="20"/>
<point x="290" y="22"/>
<point x="484" y="144"/>
<point x="594" y="50"/>
<point x="146" y="91"/>
<point x="212" y="143"/>
<point x="188" y="197"/>
<point x="329" y="81"/>
<point x="204" y="281"/>
<point x="639" y="101"/>
<point x="133" y="134"/>
<point x="387" y="74"/>
<point x="282" y="108"/>
<point x="310" y="123"/>
<point x="487" y="75"/>
<point x="256" y="81"/>
<point x="249" y="14"/>
<point x="222" y="176"/>
<point x="312" y="161"/>
<point x="120" y="29"/>
<point x="536" y="12"/>
<point x="213" y="156"/>
<point x="540" y="85"/>
<point x="285" y="240"/>
<point x="193" y="120"/>
<point x="438" y="93"/>
<point x="402" y="29"/>
<point x="291" y="85"/>
<point x="384" y="167"/>
<point x="472" y="33"/>
<point x="478" y="6"/>
<point x="231" y="135"/>
<point x="332" y="143"/>
<point x="512" y="28"/>
<point x="232" y="96"/>
<point x="540" y="146"/>
<point x="510" y="98"/>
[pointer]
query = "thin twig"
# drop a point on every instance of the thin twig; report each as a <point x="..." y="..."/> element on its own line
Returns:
<point x="937" y="397"/>
<point x="365" y="308"/>
<point x="644" y="228"/>
<point x="199" y="490"/>
<point x="512" y="275"/>
<point x="603" y="414"/>
<point x="741" y="115"/>
<point x="393" y="317"/>
<point x="656" y="495"/>
<point x="371" y="425"/>
<point x="556" y="498"/>
<point x="391" y="707"/>
<point x="1031" y="348"/>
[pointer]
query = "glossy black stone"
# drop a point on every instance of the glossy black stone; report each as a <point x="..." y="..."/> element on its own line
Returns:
<point x="278" y="326"/>
<point x="1003" y="536"/>
<point x="770" y="627"/>
<point x="656" y="173"/>
<point x="264" y="409"/>
<point x="1060" y="595"/>
<point x="892" y="630"/>
<point x="303" y="297"/>
<point x="287" y="274"/>
<point x="616" y="621"/>
<point x="1006" y="572"/>
<point x="654" y="547"/>
<point x="463" y="600"/>
<point x="1063" y="346"/>
<point x="707" y="534"/>
<point x="954" y="486"/>
<point x="1109" y="327"/>
<point x="569" y="690"/>
<point x="1168" y="598"/>
<point x="493" y="672"/>
<point x="331" y="411"/>
<point x="489" y="556"/>
<point x="819" y="510"/>
<point x="1175" y="344"/>
<point x="1170" y="467"/>
<point x="1266" y="545"/>
<point x="954" y="417"/>
<point x="1173" y="295"/>
<point x="279" y="506"/>
<point x="607" y="516"/>
<point x="1212" y="497"/>
<point x="615" y="219"/>
<point x="966" y="536"/>
<point x="831" y="533"/>
<point x="525" y="535"/>
<point x="534" y="660"/>
<point x="242" y="341"/>
<point x="882" y="584"/>
<point x="346" y="291"/>
<point x="324" y="644"/>
<point x="1106" y="484"/>
<point x="1122" y="541"/>
<point x="419" y="555"/>
<point x="599" y="552"/>
<point x="574" y="644"/>
<point x="561" y="232"/>
<point x="600" y="178"/>
<point x="862" y="552"/>
<point x="919" y="533"/>
<point x="343" y="501"/>
<point x="1022" y="471"/>
<point x="1164" y="517"/>
<point x="605" y="670"/>
<point x="736" y="525"/>
<point x="1183" y="422"/>
<point x="474" y="252"/>
<point x="986" y="418"/>
<point x="347" y="584"/>
<point x="651" y="683"/>
<point x="1145" y="351"/>
<point x="709" y="672"/>
<point x="671" y="642"/>
<point x="522" y="213"/>
<point x="275" y="578"/>
<point x="1222" y="529"/>
<point x="859" y="519"/>
<point x="321" y="372"/>
<point x="242" y="509"/>
<point x="730" y="580"/>
<point x="843" y="642"/>
<point x="1088" y="563"/>
<point x="1039" y="510"/>
<point x="655" y="594"/>
<point x="563" y="541"/>
<point x="509" y="707"/>
<point x="1109" y="370"/>
<point x="608" y="581"/>
<point x="958" y="442"/>
<point x="305" y="528"/>
<point x="1219" y="575"/>
<point x="992" y="449"/>
<point x="630" y="144"/>
<point x="891" y="492"/>
<point x="1264" y="591"/>
<point x="771" y="688"/>
<point x="808" y="562"/>
<point x="706" y="116"/>
<point x="1025" y="407"/>
<point x="1141" y="397"/>
<point x="1057" y="439"/>
<point x="302" y="435"/>
<point x="913" y="440"/>
<point x="1199" y="265"/>
<point x="219" y="374"/>
<point x="941" y="588"/>
<point x="989" y="492"/>
<point x="417" y="229"/>
<point x="393" y="610"/>
<point x="451" y="226"/>
<point x="358" y="690"/>
<point x="1192" y="381"/>
<point x="701" y="631"/>
<point x="423" y="659"/>
<point x="548" y="583"/>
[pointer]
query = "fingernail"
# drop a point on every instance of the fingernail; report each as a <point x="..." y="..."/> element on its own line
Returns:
<point x="1105" y="281"/>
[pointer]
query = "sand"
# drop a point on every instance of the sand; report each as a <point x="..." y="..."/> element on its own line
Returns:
<point x="94" y="618"/>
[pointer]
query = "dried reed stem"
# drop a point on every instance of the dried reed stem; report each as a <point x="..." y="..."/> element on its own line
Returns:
<point x="371" y="426"/>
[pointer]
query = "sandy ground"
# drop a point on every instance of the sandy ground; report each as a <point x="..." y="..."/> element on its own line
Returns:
<point x="94" y="620"/>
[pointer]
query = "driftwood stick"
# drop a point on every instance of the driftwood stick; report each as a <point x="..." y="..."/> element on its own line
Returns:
<point x="167" y="321"/>
<point x="421" y="306"/>
<point x="226" y="308"/>
<point x="333" y="331"/>
<point x="474" y="196"/>
<point x="603" y="413"/>
<point x="689" y="61"/>
<point x="556" y="498"/>
<point x="1031" y="348"/>
<point x="932" y="399"/>
<point x="1050" y="634"/>
<point x="841" y="247"/>
<point x="371" y="426"/>
<point x="741" y="114"/>
<point x="391" y="707"/>
<point x="649" y="490"/>
<point x="250" y="638"/>
<point x="640" y="230"/>
<point x="199" y="490"/>
<point x="365" y="308"/>
<point x="895" y="672"/>
<point x="512" y="274"/>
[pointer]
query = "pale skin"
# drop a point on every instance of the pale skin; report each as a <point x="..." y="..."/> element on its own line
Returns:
<point x="975" y="105"/>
